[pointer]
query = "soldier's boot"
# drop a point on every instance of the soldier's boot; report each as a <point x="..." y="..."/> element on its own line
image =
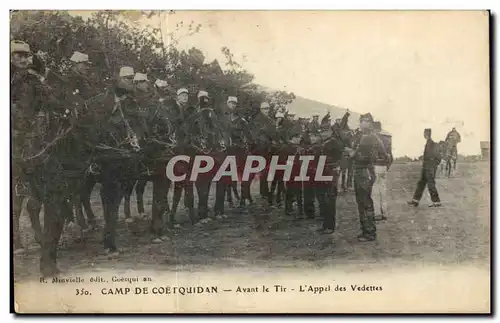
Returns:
<point x="175" y="204"/>
<point x="363" y="238"/>
<point x="412" y="203"/>
<point x="53" y="227"/>
<point x="126" y="209"/>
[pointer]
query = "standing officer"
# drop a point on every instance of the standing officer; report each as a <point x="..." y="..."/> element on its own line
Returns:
<point x="428" y="175"/>
<point x="84" y="88"/>
<point x="25" y="101"/>
<point x="264" y="131"/>
<point x="364" y="156"/>
<point x="230" y="111"/>
<point x="381" y="166"/>
<point x="182" y="118"/>
<point x="208" y="138"/>
<point x="161" y="129"/>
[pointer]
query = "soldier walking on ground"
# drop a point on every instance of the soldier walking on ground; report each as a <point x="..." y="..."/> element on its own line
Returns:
<point x="364" y="156"/>
<point x="428" y="176"/>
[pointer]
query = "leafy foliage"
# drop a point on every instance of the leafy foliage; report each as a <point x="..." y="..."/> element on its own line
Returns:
<point x="112" y="39"/>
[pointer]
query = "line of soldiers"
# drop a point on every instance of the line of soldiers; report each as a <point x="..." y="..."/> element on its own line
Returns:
<point x="135" y="95"/>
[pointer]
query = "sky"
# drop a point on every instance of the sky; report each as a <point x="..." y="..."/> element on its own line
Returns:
<point x="411" y="70"/>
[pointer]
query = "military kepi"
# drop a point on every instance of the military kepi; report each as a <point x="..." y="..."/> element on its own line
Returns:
<point x="202" y="94"/>
<point x="78" y="57"/>
<point x="140" y="77"/>
<point x="161" y="83"/>
<point x="126" y="71"/>
<point x="182" y="90"/>
<point x="17" y="46"/>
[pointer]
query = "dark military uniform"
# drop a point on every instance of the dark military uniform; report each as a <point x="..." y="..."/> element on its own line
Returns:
<point x="428" y="175"/>
<point x="308" y="187"/>
<point x="314" y="126"/>
<point x="364" y="158"/>
<point x="161" y="128"/>
<point x="263" y="133"/>
<point x="238" y="138"/>
<point x="81" y="91"/>
<point x="26" y="101"/>
<point x="185" y="128"/>
<point x="326" y="191"/>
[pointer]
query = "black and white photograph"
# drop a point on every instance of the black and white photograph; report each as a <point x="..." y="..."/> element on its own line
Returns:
<point x="223" y="161"/>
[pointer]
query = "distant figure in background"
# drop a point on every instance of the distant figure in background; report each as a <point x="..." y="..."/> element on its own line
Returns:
<point x="428" y="176"/>
<point x="381" y="166"/>
<point x="314" y="126"/>
<point x="453" y="138"/>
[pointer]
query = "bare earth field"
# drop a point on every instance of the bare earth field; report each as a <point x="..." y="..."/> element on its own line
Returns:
<point x="456" y="234"/>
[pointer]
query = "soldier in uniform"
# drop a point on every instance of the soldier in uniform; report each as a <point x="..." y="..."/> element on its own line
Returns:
<point x="145" y="98"/>
<point x="364" y="156"/>
<point x="209" y="138"/>
<point x="225" y="185"/>
<point x="282" y="143"/>
<point x="230" y="110"/>
<point x="314" y="125"/>
<point x="264" y="131"/>
<point x="162" y="129"/>
<point x="25" y="101"/>
<point x="428" y="175"/>
<point x="83" y="89"/>
<point x="381" y="167"/>
<point x="182" y="117"/>
<point x="240" y="136"/>
<point x="124" y="121"/>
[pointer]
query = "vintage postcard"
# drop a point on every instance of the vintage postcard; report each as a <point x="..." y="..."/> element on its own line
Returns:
<point x="170" y="161"/>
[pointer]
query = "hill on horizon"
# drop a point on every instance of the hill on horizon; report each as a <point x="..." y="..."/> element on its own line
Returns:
<point x="303" y="107"/>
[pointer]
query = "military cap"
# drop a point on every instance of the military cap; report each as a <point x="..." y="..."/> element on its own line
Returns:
<point x="140" y="77"/>
<point x="316" y="116"/>
<point x="232" y="99"/>
<point x="19" y="46"/>
<point x="202" y="94"/>
<point x="78" y="57"/>
<point x="280" y="115"/>
<point x="182" y="90"/>
<point x="366" y="116"/>
<point x="161" y="83"/>
<point x="428" y="130"/>
<point x="126" y="71"/>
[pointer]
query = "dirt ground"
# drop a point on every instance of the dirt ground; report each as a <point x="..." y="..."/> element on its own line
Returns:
<point x="457" y="233"/>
